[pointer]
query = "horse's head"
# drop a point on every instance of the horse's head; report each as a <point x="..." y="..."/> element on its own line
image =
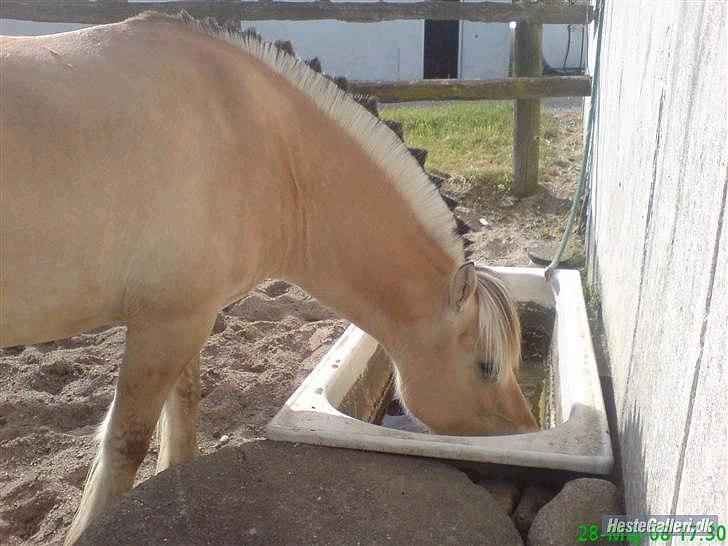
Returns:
<point x="461" y="379"/>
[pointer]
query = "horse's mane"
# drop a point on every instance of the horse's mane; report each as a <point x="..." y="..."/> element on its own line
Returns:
<point x="500" y="327"/>
<point x="378" y="140"/>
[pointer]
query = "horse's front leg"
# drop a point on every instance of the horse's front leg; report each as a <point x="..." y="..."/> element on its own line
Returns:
<point x="177" y="426"/>
<point x="156" y="353"/>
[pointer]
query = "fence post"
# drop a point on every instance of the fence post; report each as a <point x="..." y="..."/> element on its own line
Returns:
<point x="527" y="113"/>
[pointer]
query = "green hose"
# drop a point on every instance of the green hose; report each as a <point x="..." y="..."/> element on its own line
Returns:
<point x="588" y="145"/>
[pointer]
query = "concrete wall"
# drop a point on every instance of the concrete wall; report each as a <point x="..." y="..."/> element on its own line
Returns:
<point x="658" y="248"/>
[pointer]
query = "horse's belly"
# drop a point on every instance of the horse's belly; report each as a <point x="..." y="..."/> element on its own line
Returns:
<point x="45" y="304"/>
<point x="39" y="327"/>
<point x="58" y="278"/>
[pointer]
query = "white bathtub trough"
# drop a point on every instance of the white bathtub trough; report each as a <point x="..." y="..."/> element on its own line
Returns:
<point x="578" y="439"/>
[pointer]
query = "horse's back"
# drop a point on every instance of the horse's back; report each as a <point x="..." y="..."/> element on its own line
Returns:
<point x="119" y="151"/>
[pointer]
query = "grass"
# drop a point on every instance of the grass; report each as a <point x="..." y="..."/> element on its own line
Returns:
<point x="469" y="139"/>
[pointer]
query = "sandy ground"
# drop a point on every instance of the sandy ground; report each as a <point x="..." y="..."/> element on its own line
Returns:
<point x="262" y="347"/>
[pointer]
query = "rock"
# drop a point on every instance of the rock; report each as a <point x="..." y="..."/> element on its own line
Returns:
<point x="581" y="502"/>
<point x="542" y="252"/>
<point x="504" y="493"/>
<point x="533" y="498"/>
<point x="300" y="494"/>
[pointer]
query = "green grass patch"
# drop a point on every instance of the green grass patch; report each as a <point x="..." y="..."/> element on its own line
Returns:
<point x="469" y="139"/>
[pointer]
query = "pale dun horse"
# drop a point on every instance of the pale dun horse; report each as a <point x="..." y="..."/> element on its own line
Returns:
<point x="156" y="170"/>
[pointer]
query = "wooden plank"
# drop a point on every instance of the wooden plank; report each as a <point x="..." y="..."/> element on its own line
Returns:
<point x="527" y="112"/>
<point x="505" y="89"/>
<point x="109" y="11"/>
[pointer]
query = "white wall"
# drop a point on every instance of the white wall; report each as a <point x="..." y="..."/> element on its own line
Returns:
<point x="11" y="27"/>
<point x="390" y="50"/>
<point x="485" y="50"/>
<point x="658" y="249"/>
<point x="555" y="40"/>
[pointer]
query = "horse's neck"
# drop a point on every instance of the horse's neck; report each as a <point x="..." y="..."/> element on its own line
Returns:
<point x="343" y="230"/>
<point x="359" y="246"/>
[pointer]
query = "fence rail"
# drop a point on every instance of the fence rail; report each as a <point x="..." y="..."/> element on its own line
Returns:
<point x="110" y="11"/>
<point x="505" y="89"/>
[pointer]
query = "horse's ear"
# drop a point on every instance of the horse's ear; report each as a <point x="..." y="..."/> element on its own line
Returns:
<point x="463" y="285"/>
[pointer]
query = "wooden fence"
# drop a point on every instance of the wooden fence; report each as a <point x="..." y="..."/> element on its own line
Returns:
<point x="527" y="87"/>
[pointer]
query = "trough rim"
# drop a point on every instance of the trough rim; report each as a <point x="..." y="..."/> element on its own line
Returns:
<point x="580" y="443"/>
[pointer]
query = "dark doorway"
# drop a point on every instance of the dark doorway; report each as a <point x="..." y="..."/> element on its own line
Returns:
<point x="442" y="43"/>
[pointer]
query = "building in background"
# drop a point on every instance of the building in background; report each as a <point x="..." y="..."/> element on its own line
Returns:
<point x="397" y="50"/>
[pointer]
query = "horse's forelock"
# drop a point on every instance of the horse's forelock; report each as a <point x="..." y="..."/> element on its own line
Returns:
<point x="499" y="325"/>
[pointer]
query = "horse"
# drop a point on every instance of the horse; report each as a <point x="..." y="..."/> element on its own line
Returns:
<point x="156" y="170"/>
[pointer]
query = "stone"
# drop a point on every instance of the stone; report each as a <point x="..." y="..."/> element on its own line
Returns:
<point x="533" y="498"/>
<point x="581" y="502"/>
<point x="506" y="494"/>
<point x="301" y="494"/>
<point x="542" y="252"/>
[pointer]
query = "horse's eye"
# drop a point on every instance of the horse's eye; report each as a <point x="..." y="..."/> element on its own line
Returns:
<point x="487" y="369"/>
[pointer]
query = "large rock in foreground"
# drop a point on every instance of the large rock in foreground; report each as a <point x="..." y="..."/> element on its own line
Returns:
<point x="580" y="502"/>
<point x="278" y="493"/>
